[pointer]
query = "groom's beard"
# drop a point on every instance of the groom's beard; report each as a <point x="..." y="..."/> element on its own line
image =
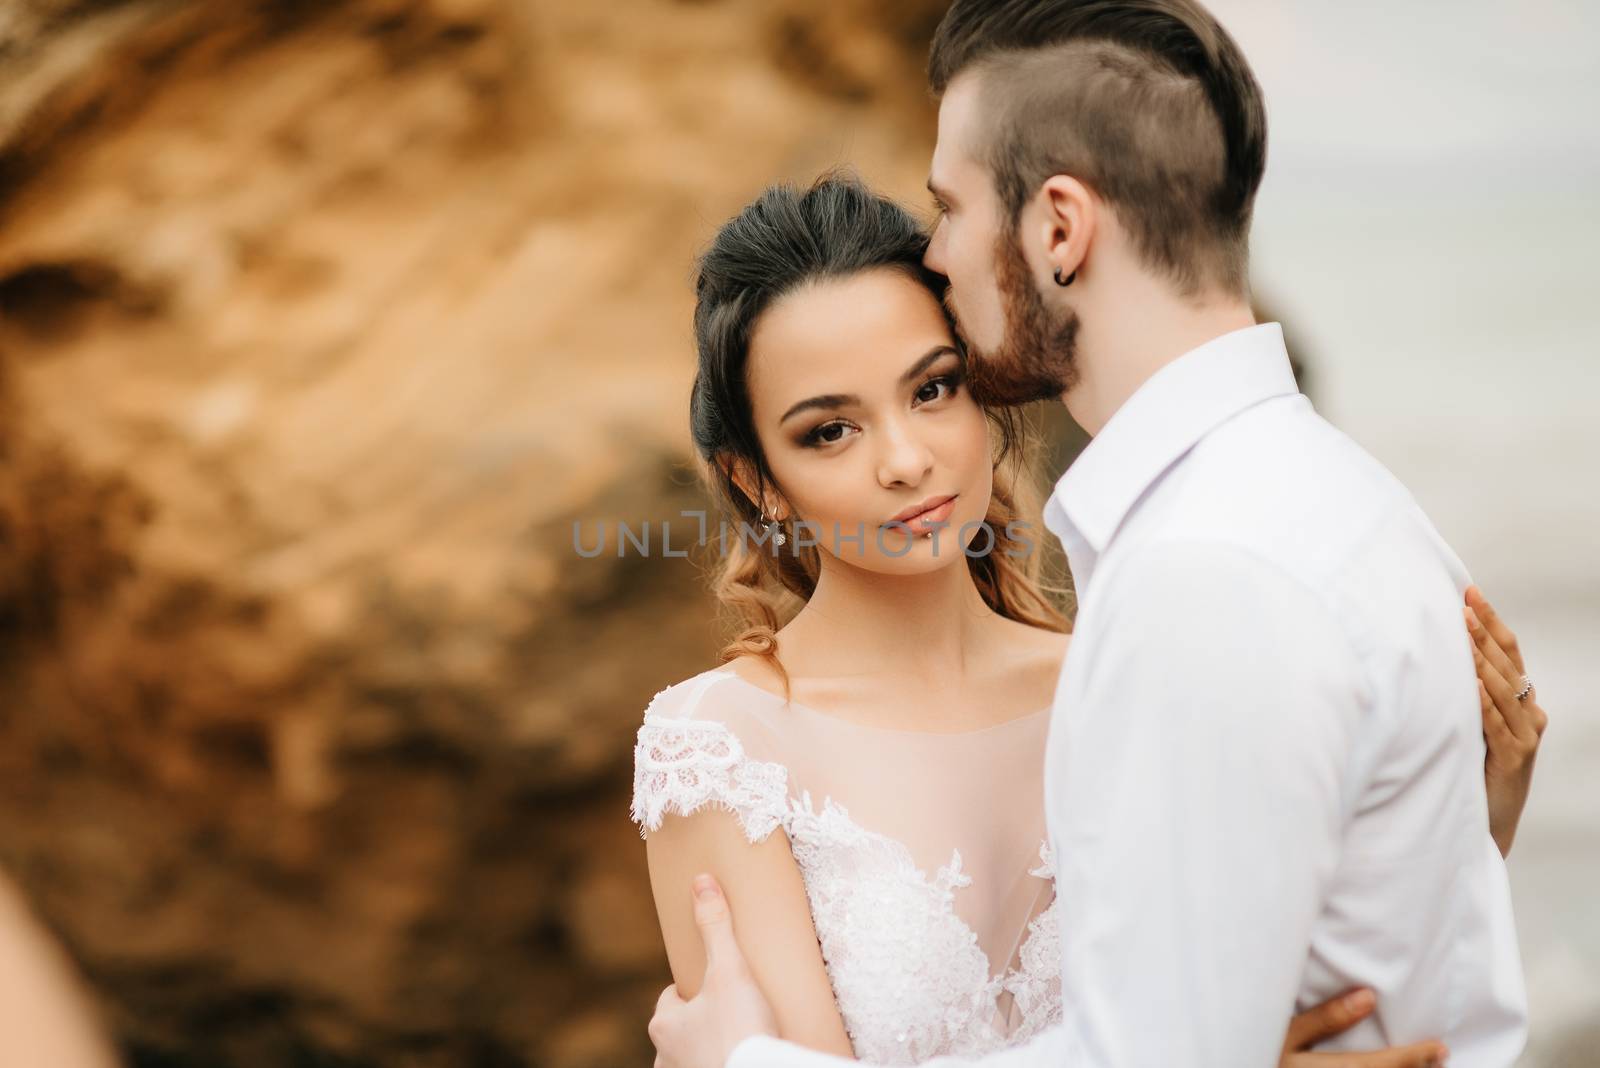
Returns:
<point x="1037" y="355"/>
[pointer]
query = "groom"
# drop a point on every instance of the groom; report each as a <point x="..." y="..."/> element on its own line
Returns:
<point x="1264" y="782"/>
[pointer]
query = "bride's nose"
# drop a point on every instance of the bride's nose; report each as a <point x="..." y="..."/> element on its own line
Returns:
<point x="904" y="458"/>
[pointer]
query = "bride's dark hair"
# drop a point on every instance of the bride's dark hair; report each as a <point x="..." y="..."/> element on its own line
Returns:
<point x="781" y="241"/>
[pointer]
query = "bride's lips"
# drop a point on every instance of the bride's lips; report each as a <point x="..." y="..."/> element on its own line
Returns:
<point x="921" y="518"/>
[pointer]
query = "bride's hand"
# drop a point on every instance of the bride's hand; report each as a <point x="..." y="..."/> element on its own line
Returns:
<point x="1340" y="1014"/>
<point x="1511" y="728"/>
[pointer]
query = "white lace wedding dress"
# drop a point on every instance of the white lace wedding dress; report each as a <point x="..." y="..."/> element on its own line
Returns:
<point x="924" y="855"/>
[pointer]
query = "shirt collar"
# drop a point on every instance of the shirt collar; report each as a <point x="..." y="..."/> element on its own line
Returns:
<point x="1164" y="419"/>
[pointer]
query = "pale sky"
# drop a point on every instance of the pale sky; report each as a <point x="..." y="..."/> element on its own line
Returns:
<point x="1426" y="83"/>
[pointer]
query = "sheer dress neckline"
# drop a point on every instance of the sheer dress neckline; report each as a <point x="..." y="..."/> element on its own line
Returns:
<point x="932" y="893"/>
<point x="1026" y="717"/>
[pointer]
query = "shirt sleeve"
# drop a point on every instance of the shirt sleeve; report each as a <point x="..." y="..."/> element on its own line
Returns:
<point x="1202" y="784"/>
<point x="1043" y="1050"/>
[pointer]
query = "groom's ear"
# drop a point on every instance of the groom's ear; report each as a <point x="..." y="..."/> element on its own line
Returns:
<point x="1068" y="218"/>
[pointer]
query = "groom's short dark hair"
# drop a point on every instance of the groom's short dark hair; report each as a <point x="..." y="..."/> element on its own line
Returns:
<point x="1148" y="102"/>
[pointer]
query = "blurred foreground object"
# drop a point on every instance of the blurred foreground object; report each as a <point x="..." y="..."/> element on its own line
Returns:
<point x="320" y="325"/>
<point x="44" y="1017"/>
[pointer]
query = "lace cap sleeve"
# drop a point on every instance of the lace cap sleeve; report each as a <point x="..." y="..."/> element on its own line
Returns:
<point x="682" y="763"/>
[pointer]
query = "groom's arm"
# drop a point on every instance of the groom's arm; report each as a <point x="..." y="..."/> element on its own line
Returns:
<point x="1200" y="806"/>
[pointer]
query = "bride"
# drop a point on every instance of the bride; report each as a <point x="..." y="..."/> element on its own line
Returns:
<point x="880" y="515"/>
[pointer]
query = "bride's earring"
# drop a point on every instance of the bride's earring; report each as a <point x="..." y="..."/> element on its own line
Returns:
<point x="778" y="536"/>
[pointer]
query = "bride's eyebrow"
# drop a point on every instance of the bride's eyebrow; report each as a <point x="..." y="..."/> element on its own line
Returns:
<point x="840" y="400"/>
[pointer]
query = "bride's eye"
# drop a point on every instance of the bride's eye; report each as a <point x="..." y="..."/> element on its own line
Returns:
<point x="928" y="391"/>
<point x="825" y="433"/>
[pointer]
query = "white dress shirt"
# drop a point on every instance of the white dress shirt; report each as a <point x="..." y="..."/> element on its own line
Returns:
<point x="1264" y="773"/>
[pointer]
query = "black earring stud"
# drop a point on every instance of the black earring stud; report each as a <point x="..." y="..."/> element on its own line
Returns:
<point x="1067" y="281"/>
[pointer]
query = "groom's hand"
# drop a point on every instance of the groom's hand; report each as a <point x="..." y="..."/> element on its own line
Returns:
<point x="1340" y="1014"/>
<point x="702" y="1032"/>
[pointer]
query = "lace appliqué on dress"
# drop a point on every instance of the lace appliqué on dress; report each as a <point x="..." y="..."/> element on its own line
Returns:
<point x="910" y="978"/>
<point x="681" y="764"/>
<point x="1036" y="984"/>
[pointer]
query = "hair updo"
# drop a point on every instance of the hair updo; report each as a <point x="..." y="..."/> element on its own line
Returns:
<point x="784" y="239"/>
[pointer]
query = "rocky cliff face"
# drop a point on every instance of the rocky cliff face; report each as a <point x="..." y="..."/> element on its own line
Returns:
<point x="320" y="323"/>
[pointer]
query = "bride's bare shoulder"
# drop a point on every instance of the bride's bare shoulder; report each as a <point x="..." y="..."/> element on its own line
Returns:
<point x="1053" y="642"/>
<point x="684" y="698"/>
<point x="704" y="695"/>
<point x="755" y="669"/>
<point x="1035" y="660"/>
<point x="1047" y="646"/>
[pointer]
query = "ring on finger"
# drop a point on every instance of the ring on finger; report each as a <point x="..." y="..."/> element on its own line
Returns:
<point x="1527" y="688"/>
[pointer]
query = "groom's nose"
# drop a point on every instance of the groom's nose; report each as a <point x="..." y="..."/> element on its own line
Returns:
<point x="933" y="258"/>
